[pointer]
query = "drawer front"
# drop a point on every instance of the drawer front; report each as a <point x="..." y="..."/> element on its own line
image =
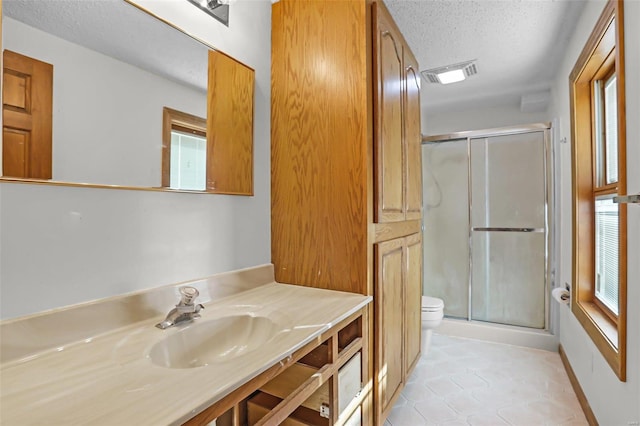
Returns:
<point x="349" y="381"/>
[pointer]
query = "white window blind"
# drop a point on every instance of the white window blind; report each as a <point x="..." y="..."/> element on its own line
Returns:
<point x="188" y="164"/>
<point x="606" y="215"/>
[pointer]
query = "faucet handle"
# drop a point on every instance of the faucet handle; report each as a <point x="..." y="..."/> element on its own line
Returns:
<point x="196" y="311"/>
<point x="188" y="295"/>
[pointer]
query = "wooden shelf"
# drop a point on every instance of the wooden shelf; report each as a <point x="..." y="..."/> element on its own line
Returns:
<point x="262" y="404"/>
<point x="293" y="378"/>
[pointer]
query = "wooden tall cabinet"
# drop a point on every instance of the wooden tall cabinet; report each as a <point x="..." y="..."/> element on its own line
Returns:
<point x="346" y="171"/>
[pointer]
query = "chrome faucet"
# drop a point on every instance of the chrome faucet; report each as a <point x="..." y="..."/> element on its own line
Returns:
<point x="184" y="311"/>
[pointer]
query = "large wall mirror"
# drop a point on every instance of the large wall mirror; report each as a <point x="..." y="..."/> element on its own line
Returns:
<point x="101" y="92"/>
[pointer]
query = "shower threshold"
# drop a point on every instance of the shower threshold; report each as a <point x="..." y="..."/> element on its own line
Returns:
<point x="499" y="333"/>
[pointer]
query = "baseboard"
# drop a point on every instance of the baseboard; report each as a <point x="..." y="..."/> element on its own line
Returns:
<point x="582" y="399"/>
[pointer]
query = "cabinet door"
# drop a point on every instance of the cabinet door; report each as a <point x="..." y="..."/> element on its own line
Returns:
<point x="388" y="75"/>
<point x="412" y="138"/>
<point x="389" y="320"/>
<point x="413" y="300"/>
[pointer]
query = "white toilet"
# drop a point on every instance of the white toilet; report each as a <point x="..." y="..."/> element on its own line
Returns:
<point x="432" y="313"/>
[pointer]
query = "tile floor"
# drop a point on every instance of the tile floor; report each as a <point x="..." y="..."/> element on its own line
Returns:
<point x="472" y="382"/>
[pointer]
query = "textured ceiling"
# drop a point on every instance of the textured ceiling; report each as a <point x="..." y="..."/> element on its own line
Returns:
<point x="517" y="44"/>
<point x="117" y="29"/>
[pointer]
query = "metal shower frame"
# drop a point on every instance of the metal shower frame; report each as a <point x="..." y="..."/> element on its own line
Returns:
<point x="549" y="192"/>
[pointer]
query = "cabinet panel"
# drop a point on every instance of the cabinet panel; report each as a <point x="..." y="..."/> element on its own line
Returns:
<point x="413" y="300"/>
<point x="389" y="321"/>
<point x="388" y="74"/>
<point x="349" y="382"/>
<point x="320" y="140"/>
<point x="412" y="138"/>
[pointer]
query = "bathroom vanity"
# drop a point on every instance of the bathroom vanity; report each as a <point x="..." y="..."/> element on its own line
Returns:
<point x="262" y="353"/>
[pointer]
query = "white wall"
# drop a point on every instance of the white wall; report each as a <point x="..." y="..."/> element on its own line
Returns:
<point x="439" y="123"/>
<point x="107" y="115"/>
<point x="613" y="402"/>
<point x="65" y="245"/>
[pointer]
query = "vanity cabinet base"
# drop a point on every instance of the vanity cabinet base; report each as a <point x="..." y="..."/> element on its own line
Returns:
<point x="314" y="386"/>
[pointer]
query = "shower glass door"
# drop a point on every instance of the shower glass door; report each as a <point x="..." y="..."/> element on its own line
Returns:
<point x="445" y="188"/>
<point x="508" y="229"/>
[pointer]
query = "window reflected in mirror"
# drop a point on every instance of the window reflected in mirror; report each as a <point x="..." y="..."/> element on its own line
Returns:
<point x="184" y="151"/>
<point x="188" y="161"/>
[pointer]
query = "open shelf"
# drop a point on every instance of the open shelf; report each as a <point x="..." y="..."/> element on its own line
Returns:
<point x="262" y="403"/>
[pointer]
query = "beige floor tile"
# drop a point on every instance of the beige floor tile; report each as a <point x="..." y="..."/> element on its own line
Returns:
<point x="406" y="416"/>
<point x="474" y="383"/>
<point x="435" y="411"/>
<point x="486" y="419"/>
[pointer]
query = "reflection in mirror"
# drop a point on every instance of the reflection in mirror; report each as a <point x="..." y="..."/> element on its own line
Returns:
<point x="230" y="126"/>
<point x="115" y="68"/>
<point x="27" y="114"/>
<point x="184" y="151"/>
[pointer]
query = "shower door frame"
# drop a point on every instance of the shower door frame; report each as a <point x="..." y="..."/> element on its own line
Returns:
<point x="549" y="195"/>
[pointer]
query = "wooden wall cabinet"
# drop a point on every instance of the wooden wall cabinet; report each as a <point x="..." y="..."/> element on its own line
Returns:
<point x="346" y="170"/>
<point x="397" y="167"/>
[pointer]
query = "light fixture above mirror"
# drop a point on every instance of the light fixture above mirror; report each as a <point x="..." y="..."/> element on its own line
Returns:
<point x="219" y="9"/>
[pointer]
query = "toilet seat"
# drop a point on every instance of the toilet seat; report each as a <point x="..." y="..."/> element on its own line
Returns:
<point x="432" y="304"/>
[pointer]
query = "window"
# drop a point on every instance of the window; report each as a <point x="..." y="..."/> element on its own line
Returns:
<point x="598" y="154"/>
<point x="184" y="151"/>
<point x="188" y="160"/>
<point x="605" y="177"/>
<point x="607" y="251"/>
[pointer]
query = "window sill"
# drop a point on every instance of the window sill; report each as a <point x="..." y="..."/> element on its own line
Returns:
<point x="607" y="327"/>
<point x="603" y="332"/>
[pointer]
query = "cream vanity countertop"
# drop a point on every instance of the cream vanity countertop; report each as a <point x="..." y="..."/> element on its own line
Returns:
<point x="109" y="380"/>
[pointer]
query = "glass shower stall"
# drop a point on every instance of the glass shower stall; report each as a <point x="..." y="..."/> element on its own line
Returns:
<point x="487" y="221"/>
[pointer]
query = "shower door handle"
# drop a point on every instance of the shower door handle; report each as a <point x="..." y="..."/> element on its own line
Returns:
<point x="508" y="229"/>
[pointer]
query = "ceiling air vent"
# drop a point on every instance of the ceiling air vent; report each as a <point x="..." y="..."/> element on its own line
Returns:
<point x="450" y="73"/>
<point x="470" y="70"/>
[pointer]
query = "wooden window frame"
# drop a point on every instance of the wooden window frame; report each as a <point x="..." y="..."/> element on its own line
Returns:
<point x="603" y="52"/>
<point x="600" y="186"/>
<point x="183" y="122"/>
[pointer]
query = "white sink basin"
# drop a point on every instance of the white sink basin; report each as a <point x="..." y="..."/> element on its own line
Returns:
<point x="214" y="341"/>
